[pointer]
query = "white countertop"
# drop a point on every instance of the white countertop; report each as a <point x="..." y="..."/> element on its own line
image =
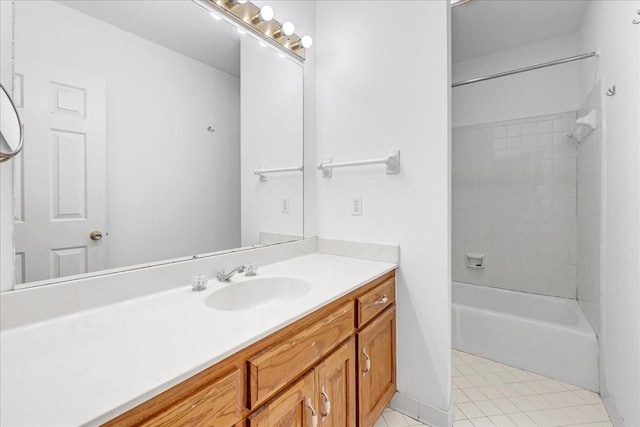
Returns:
<point x="89" y="367"/>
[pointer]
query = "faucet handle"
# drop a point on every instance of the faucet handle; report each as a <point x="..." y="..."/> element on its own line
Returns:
<point x="250" y="269"/>
<point x="221" y="274"/>
<point x="198" y="282"/>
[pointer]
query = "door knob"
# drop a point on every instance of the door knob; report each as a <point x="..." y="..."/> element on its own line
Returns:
<point x="96" y="235"/>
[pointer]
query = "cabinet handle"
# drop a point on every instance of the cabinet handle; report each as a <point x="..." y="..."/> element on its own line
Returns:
<point x="367" y="361"/>
<point x="326" y="407"/>
<point x="314" y="414"/>
<point x="382" y="300"/>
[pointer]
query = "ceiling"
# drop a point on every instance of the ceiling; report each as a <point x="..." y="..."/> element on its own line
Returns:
<point x="179" y="25"/>
<point x="481" y="27"/>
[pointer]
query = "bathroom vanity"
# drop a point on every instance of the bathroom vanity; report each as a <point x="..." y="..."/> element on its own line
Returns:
<point x="325" y="358"/>
<point x="334" y="366"/>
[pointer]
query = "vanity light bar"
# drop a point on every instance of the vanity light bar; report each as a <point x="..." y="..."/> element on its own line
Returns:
<point x="251" y="17"/>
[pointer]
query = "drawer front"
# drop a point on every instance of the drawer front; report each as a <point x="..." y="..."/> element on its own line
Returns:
<point x="218" y="403"/>
<point x="274" y="367"/>
<point x="376" y="300"/>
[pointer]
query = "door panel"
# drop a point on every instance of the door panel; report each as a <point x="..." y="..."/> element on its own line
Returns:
<point x="295" y="407"/>
<point x="336" y="388"/>
<point x="377" y="371"/>
<point x="62" y="196"/>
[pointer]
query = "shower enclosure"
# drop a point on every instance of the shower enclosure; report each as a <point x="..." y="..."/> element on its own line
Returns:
<point x="525" y="224"/>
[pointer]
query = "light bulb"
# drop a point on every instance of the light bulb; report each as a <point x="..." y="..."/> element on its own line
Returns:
<point x="266" y="13"/>
<point x="285" y="29"/>
<point x="241" y="1"/>
<point x="288" y="28"/>
<point x="306" y="42"/>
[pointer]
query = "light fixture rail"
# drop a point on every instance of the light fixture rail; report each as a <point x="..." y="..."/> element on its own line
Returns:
<point x="529" y="68"/>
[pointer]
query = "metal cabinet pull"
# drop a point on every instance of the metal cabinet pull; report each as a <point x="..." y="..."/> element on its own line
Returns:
<point x="367" y="361"/>
<point x="314" y="414"/>
<point x="382" y="300"/>
<point x="326" y="404"/>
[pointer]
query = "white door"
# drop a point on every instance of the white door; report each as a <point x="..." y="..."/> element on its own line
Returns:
<point x="60" y="186"/>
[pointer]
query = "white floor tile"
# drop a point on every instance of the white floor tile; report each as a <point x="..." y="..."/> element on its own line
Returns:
<point x="394" y="419"/>
<point x="459" y="396"/>
<point x="506" y="406"/>
<point x="474" y="394"/>
<point x="380" y="422"/>
<point x="539" y="402"/>
<point x="470" y="410"/>
<point x="576" y="415"/>
<point x="507" y="391"/>
<point x="483" y="422"/>
<point x="458" y="415"/>
<point x="411" y="422"/>
<point x="493" y="378"/>
<point x="491" y="392"/>
<point x="477" y="380"/>
<point x="467" y="370"/>
<point x="521" y="419"/>
<point x="463" y="423"/>
<point x="588" y="396"/>
<point x="594" y="414"/>
<point x="488" y="408"/>
<point x="488" y="393"/>
<point x="523" y="389"/>
<point x="523" y="403"/>
<point x="502" y="421"/>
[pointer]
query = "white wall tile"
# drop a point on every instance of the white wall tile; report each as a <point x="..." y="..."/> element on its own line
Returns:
<point x="514" y="200"/>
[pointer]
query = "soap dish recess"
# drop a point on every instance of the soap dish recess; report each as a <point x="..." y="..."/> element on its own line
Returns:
<point x="475" y="260"/>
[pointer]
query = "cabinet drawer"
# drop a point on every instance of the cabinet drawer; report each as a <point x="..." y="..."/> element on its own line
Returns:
<point x="376" y="300"/>
<point x="274" y="367"/>
<point x="218" y="403"/>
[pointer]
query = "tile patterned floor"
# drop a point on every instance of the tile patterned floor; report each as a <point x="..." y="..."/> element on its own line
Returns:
<point x="391" y="418"/>
<point x="487" y="393"/>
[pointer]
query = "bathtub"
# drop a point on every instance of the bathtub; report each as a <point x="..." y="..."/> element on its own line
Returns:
<point x="545" y="335"/>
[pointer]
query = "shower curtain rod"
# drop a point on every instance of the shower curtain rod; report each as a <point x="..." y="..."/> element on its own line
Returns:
<point x="529" y="68"/>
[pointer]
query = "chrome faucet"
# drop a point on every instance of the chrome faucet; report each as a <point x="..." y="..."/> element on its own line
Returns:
<point x="249" y="270"/>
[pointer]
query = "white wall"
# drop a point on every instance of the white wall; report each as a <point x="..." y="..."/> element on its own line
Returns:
<point x="535" y="93"/>
<point x="272" y="135"/>
<point x="589" y="213"/>
<point x="6" y="168"/>
<point x="607" y="25"/>
<point x="303" y="14"/>
<point x="514" y="201"/>
<point x="195" y="172"/>
<point x="376" y="90"/>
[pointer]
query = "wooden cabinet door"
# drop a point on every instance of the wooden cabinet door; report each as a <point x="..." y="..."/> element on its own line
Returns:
<point x="295" y="407"/>
<point x="336" y="388"/>
<point x="377" y="367"/>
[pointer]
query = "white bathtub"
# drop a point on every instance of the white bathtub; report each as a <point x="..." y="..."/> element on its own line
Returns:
<point x="549" y="336"/>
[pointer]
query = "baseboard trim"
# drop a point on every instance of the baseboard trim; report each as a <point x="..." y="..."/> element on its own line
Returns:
<point x="612" y="409"/>
<point x="421" y="411"/>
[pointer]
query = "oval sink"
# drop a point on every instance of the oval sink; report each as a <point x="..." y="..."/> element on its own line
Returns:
<point x="253" y="293"/>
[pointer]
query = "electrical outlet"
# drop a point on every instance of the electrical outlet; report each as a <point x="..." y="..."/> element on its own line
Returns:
<point x="356" y="205"/>
<point x="284" y="205"/>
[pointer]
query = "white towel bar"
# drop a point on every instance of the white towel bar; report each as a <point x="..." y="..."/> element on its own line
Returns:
<point x="262" y="171"/>
<point x="392" y="161"/>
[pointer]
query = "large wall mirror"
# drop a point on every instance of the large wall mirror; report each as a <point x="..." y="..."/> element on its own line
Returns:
<point x="144" y="123"/>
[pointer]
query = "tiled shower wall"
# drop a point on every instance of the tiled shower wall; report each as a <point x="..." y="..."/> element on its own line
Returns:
<point x="589" y="216"/>
<point x="514" y="200"/>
